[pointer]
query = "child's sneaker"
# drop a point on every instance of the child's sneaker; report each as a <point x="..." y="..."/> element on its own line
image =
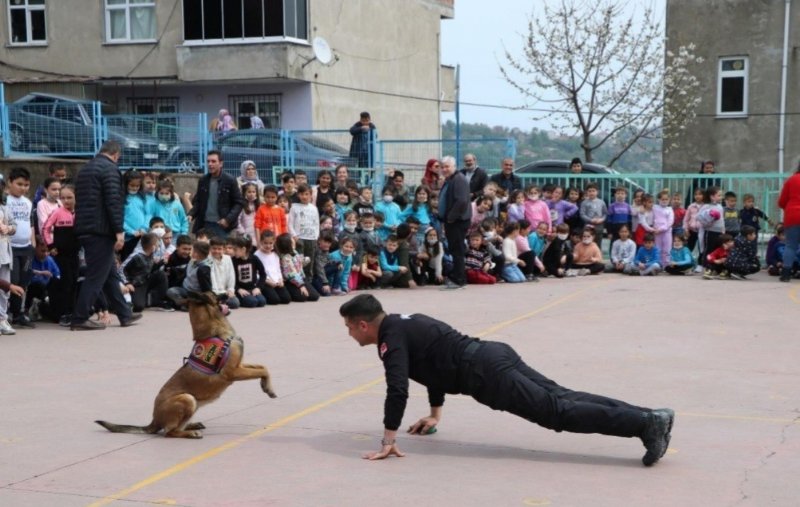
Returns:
<point x="571" y="272"/>
<point x="583" y="272"/>
<point x="65" y="320"/>
<point x="698" y="269"/>
<point x="724" y="275"/>
<point x="336" y="292"/>
<point x="5" y="328"/>
<point x="708" y="275"/>
<point x="33" y="312"/>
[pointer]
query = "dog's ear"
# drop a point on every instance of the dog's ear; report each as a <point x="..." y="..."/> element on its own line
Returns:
<point x="209" y="298"/>
<point x="195" y="297"/>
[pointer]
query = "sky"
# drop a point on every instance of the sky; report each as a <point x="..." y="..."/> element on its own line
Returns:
<point x="475" y="39"/>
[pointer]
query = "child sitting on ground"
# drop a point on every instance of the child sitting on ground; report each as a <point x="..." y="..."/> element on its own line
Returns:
<point x="292" y="264"/>
<point x="250" y="274"/>
<point x="323" y="266"/>
<point x="147" y="286"/>
<point x="178" y="261"/>
<point x="46" y="276"/>
<point x="394" y="274"/>
<point x="340" y="262"/>
<point x="273" y="288"/>
<point x="775" y="248"/>
<point x="743" y="256"/>
<point x="223" y="276"/>
<point x="558" y="254"/>
<point x="525" y="253"/>
<point x="512" y="272"/>
<point x="198" y="274"/>
<point x="716" y="259"/>
<point x="647" y="258"/>
<point x="516" y="207"/>
<point x="586" y="256"/>
<point x="680" y="258"/>
<point x="478" y="261"/>
<point x="369" y="274"/>
<point x="623" y="252"/>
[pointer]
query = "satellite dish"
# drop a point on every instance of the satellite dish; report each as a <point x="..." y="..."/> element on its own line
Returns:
<point x="322" y="50"/>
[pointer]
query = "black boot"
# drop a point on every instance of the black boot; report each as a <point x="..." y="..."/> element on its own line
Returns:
<point x="786" y="275"/>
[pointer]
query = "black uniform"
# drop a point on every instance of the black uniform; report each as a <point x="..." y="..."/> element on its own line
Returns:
<point x="437" y="356"/>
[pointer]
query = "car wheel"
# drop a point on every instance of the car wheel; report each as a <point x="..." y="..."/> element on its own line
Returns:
<point x="16" y="138"/>
<point x="187" y="165"/>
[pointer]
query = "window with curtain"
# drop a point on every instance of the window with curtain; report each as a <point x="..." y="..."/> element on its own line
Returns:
<point x="732" y="86"/>
<point x="130" y="20"/>
<point x="26" y="19"/>
<point x="237" y="20"/>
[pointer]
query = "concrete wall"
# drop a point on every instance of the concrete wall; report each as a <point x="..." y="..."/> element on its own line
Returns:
<point x="737" y="28"/>
<point x="387" y="62"/>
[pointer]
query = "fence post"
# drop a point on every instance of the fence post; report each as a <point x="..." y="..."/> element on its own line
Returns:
<point x="100" y="128"/>
<point x="4" y="126"/>
<point x="204" y="141"/>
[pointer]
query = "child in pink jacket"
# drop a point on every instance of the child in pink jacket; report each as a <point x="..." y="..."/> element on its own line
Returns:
<point x="663" y="217"/>
<point x="536" y="210"/>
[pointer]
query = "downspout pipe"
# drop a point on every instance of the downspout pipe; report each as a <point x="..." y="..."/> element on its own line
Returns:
<point x="784" y="78"/>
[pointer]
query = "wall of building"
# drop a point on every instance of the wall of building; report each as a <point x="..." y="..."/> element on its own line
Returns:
<point x="737" y="28"/>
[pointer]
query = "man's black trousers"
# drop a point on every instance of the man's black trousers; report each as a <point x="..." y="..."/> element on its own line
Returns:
<point x="497" y="377"/>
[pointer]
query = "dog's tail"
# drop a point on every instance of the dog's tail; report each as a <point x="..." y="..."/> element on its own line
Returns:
<point x="126" y="428"/>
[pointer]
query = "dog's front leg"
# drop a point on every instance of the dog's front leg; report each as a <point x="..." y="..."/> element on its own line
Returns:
<point x="253" y="371"/>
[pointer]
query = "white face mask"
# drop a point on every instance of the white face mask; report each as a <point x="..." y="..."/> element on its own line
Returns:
<point x="349" y="227"/>
<point x="562" y="237"/>
<point x="367" y="229"/>
<point x="159" y="231"/>
<point x="587" y="241"/>
<point x="489" y="235"/>
<point x="534" y="197"/>
<point x="388" y="198"/>
<point x="432" y="241"/>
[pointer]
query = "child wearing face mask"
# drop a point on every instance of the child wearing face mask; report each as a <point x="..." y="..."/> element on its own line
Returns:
<point x="159" y="229"/>
<point x="136" y="215"/>
<point x="586" y="256"/>
<point x="420" y="209"/>
<point x="558" y="254"/>
<point x="169" y="208"/>
<point x="246" y="225"/>
<point x="391" y="212"/>
<point x="536" y="210"/>
<point x="429" y="259"/>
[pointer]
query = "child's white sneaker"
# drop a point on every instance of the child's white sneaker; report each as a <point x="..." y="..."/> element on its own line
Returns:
<point x="6" y="329"/>
<point x="698" y="269"/>
<point x="571" y="272"/>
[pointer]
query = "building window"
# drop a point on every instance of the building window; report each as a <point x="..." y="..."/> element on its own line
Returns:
<point x="130" y="20"/>
<point x="266" y="107"/>
<point x="26" y="21"/>
<point x="732" y="87"/>
<point x="244" y="20"/>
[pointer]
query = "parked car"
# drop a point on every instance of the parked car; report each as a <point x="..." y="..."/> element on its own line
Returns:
<point x="67" y="127"/>
<point x="265" y="148"/>
<point x="606" y="182"/>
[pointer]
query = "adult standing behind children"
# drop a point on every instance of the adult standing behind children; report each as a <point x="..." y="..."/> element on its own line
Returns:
<point x="218" y="201"/>
<point x="363" y="132"/>
<point x="455" y="211"/>
<point x="789" y="201"/>
<point x="98" y="227"/>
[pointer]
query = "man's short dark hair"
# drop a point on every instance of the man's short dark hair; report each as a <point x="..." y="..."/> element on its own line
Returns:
<point x="398" y="174"/>
<point x="214" y="152"/>
<point x="362" y="307"/>
<point x="730" y="194"/>
<point x="19" y="173"/>
<point x="111" y="147"/>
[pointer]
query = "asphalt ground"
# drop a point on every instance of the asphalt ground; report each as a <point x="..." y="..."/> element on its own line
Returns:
<point x="723" y="354"/>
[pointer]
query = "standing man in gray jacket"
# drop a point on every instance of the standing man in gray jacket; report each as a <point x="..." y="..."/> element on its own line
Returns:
<point x="455" y="213"/>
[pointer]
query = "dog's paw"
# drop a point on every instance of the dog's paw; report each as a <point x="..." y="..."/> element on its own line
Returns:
<point x="267" y="387"/>
<point x="194" y="434"/>
<point x="195" y="426"/>
<point x="271" y="394"/>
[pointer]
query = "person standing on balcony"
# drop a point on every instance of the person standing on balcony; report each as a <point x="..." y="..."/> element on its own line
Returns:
<point x="789" y="202"/>
<point x="476" y="176"/>
<point x="363" y="132"/>
<point x="98" y="227"/>
<point x="506" y="179"/>
<point x="455" y="212"/>
<point x="218" y="201"/>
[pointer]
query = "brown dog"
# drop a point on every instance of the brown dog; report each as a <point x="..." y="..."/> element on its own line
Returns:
<point x="214" y="364"/>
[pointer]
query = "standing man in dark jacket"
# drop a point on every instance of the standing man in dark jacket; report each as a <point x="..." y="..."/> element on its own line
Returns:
<point x="430" y="352"/>
<point x="455" y="212"/>
<point x="476" y="176"/>
<point x="363" y="132"/>
<point x="506" y="178"/>
<point x="218" y="201"/>
<point x="99" y="208"/>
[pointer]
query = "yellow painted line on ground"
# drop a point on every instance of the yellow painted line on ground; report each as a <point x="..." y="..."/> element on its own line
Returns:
<point x="780" y="420"/>
<point x="793" y="295"/>
<point x="310" y="410"/>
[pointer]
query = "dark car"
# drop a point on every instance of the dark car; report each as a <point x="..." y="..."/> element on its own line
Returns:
<point x="267" y="148"/>
<point x="69" y="127"/>
<point x="608" y="179"/>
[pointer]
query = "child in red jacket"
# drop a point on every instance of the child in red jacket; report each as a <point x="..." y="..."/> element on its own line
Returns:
<point x="716" y="259"/>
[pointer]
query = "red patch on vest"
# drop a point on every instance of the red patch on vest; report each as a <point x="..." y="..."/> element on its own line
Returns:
<point x="383" y="350"/>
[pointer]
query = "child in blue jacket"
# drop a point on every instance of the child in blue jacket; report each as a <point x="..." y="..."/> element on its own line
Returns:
<point x="647" y="258"/>
<point x="680" y="258"/>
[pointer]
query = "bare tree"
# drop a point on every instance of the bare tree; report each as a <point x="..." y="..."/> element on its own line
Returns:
<point x="604" y="74"/>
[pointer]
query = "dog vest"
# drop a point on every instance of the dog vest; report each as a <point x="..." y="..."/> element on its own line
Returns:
<point x="210" y="355"/>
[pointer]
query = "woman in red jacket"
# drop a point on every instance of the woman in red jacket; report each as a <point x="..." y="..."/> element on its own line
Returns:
<point x="789" y="201"/>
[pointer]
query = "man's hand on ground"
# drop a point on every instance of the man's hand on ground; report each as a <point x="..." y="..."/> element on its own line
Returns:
<point x="385" y="452"/>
